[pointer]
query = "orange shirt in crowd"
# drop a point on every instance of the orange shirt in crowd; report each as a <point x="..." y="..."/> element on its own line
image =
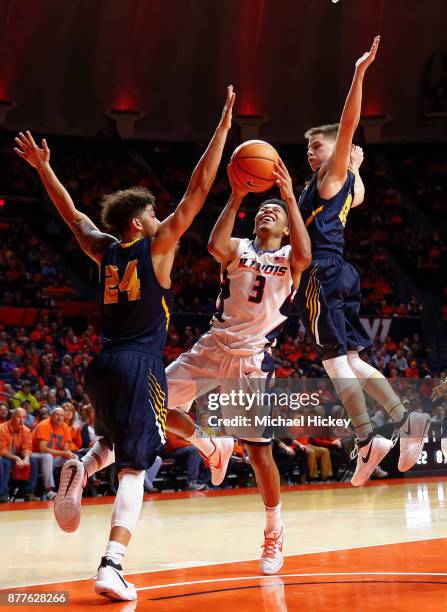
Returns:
<point x="55" y="437"/>
<point x="15" y="442"/>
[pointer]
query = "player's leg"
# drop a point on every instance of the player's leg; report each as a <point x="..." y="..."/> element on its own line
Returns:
<point x="191" y="375"/>
<point x="136" y="425"/>
<point x="74" y="476"/>
<point x="412" y="427"/>
<point x="267" y="479"/>
<point x="110" y="580"/>
<point x="75" y="473"/>
<point x="444" y="437"/>
<point x="324" y="297"/>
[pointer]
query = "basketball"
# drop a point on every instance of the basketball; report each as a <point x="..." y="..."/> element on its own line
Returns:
<point x="254" y="162"/>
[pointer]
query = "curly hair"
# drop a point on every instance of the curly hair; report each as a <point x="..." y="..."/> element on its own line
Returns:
<point x="120" y="207"/>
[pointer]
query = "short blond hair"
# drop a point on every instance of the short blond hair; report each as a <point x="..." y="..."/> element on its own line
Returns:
<point x="330" y="130"/>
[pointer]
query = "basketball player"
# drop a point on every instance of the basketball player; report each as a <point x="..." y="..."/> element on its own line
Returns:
<point x="257" y="287"/>
<point x="126" y="383"/>
<point x="329" y="295"/>
<point x="439" y="391"/>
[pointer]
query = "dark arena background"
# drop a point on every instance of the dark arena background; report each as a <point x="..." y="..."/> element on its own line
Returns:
<point x="128" y="93"/>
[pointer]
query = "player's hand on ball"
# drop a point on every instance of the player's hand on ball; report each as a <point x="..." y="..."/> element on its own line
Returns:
<point x="367" y="58"/>
<point x="439" y="391"/>
<point x="225" y="122"/>
<point x="283" y="180"/>
<point x="236" y="187"/>
<point x="27" y="149"/>
<point x="356" y="157"/>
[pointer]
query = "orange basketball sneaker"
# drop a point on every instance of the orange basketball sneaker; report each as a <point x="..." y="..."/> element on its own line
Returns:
<point x="219" y="458"/>
<point x="272" y="558"/>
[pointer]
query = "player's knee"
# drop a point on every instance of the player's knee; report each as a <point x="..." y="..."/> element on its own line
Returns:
<point x="361" y="368"/>
<point x="332" y="352"/>
<point x="260" y="456"/>
<point x="138" y="474"/>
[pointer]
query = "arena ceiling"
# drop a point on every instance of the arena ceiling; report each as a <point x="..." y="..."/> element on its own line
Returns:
<point x="64" y="63"/>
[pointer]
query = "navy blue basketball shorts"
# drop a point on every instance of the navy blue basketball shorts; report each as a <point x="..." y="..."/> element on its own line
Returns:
<point x="328" y="301"/>
<point x="128" y="391"/>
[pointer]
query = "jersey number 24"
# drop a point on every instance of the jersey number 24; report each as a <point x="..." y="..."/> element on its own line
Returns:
<point x="130" y="283"/>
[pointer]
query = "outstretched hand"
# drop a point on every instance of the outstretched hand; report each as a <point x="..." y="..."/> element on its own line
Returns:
<point x="225" y="122"/>
<point x="28" y="150"/>
<point x="237" y="188"/>
<point x="356" y="158"/>
<point x="439" y="391"/>
<point x="367" y="58"/>
<point x="283" y="180"/>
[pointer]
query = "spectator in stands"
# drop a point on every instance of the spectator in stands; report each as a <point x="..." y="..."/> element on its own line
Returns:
<point x="324" y="437"/>
<point x="73" y="422"/>
<point x="62" y="393"/>
<point x="400" y="360"/>
<point x="25" y="394"/>
<point x="51" y="447"/>
<point x="30" y="419"/>
<point x="15" y="455"/>
<point x="412" y="371"/>
<point x="41" y="416"/>
<point x="7" y="394"/>
<point x="183" y="452"/>
<point x="51" y="402"/>
<point x="4" y="413"/>
<point x="68" y="378"/>
<point x="414" y="308"/>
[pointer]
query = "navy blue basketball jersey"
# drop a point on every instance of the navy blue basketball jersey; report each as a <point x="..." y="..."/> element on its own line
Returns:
<point x="326" y="219"/>
<point x="135" y="308"/>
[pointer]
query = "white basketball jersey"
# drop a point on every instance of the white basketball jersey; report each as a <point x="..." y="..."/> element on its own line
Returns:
<point x="255" y="298"/>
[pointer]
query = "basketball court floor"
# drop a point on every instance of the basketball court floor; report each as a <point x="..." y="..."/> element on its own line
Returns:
<point x="383" y="546"/>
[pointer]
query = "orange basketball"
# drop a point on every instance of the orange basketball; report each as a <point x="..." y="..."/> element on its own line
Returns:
<point x="253" y="163"/>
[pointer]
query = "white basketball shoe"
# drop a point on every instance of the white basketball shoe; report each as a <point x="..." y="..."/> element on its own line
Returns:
<point x="369" y="455"/>
<point x="110" y="582"/>
<point x="412" y="433"/>
<point x="67" y="504"/>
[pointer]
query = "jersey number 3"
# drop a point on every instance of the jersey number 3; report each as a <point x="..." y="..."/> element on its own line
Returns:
<point x="258" y="288"/>
<point x="130" y="283"/>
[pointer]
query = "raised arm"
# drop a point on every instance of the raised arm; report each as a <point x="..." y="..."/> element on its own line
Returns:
<point x="174" y="226"/>
<point x="354" y="165"/>
<point x="338" y="163"/>
<point x="301" y="251"/>
<point x="221" y="245"/>
<point x="91" y="240"/>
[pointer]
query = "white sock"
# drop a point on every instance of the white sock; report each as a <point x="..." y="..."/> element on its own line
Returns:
<point x="202" y="441"/>
<point x="273" y="520"/>
<point x="115" y="551"/>
<point x="98" y="457"/>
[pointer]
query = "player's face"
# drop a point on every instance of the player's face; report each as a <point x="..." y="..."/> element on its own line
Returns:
<point x="319" y="150"/>
<point x="272" y="219"/>
<point x="149" y="222"/>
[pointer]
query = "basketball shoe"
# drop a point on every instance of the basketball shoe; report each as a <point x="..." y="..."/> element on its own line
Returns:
<point x="272" y="558"/>
<point x="219" y="458"/>
<point x="110" y="582"/>
<point x="412" y="433"/>
<point x="369" y="454"/>
<point x="67" y="505"/>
